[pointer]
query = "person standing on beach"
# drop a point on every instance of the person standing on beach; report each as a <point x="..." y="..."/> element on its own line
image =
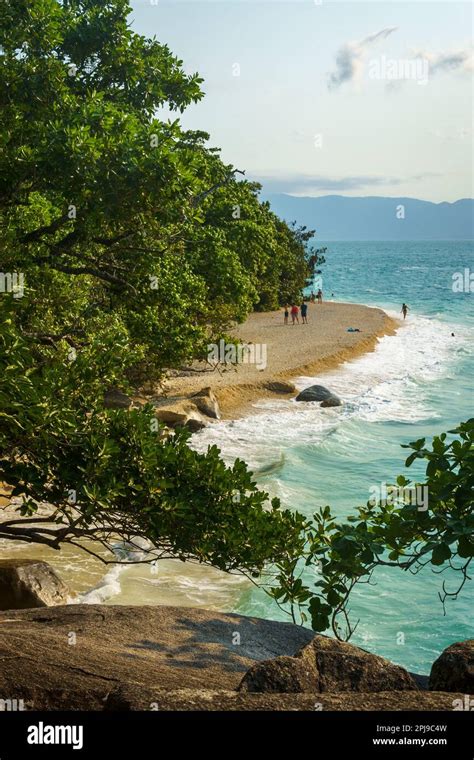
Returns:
<point x="287" y="313"/>
<point x="320" y="296"/>
<point x="304" y="312"/>
<point x="294" y="314"/>
<point x="404" y="310"/>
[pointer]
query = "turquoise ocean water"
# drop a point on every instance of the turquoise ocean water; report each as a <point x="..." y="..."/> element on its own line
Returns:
<point x="416" y="383"/>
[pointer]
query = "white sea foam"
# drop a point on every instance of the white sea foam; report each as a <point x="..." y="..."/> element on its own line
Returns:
<point x="389" y="384"/>
<point x="108" y="586"/>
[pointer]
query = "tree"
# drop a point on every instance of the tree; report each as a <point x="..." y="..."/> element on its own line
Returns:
<point x="100" y="198"/>
<point x="415" y="525"/>
<point x="108" y="213"/>
<point x="108" y="475"/>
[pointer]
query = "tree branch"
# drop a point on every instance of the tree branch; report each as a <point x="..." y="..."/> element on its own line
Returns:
<point x="47" y="229"/>
<point x="202" y="196"/>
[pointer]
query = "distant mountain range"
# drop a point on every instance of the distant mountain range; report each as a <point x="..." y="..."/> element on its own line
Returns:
<point x="339" y="217"/>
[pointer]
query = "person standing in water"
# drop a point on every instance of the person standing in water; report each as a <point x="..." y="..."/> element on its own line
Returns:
<point x="304" y="312"/>
<point x="294" y="314"/>
<point x="287" y="313"/>
<point x="404" y="310"/>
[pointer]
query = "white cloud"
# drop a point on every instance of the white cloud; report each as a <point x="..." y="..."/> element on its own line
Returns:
<point x="456" y="60"/>
<point x="350" y="58"/>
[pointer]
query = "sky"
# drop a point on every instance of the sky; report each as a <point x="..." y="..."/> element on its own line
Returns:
<point x="322" y="97"/>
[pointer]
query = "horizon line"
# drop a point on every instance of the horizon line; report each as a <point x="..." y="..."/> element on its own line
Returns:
<point x="365" y="197"/>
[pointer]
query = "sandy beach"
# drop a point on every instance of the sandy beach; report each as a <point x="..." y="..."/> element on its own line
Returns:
<point x="290" y="351"/>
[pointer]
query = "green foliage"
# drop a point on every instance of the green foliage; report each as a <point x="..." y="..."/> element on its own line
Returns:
<point x="122" y="225"/>
<point x="402" y="530"/>
<point x="126" y="213"/>
<point x="109" y="474"/>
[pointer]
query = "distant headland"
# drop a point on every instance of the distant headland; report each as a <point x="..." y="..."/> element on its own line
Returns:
<point x="340" y="217"/>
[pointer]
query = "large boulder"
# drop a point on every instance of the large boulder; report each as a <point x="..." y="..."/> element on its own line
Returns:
<point x="283" y="675"/>
<point x="180" y="413"/>
<point x="101" y="657"/>
<point x="29" y="583"/>
<point x="207" y="403"/>
<point x="131" y="698"/>
<point x="454" y="668"/>
<point x="315" y="393"/>
<point x="73" y="657"/>
<point x="327" y="665"/>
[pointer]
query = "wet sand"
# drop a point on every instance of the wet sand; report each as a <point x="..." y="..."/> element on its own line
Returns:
<point x="283" y="352"/>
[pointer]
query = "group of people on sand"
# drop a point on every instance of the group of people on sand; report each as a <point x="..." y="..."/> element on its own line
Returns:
<point x="294" y="311"/>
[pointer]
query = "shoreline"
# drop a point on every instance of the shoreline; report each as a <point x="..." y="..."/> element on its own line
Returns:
<point x="324" y="345"/>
